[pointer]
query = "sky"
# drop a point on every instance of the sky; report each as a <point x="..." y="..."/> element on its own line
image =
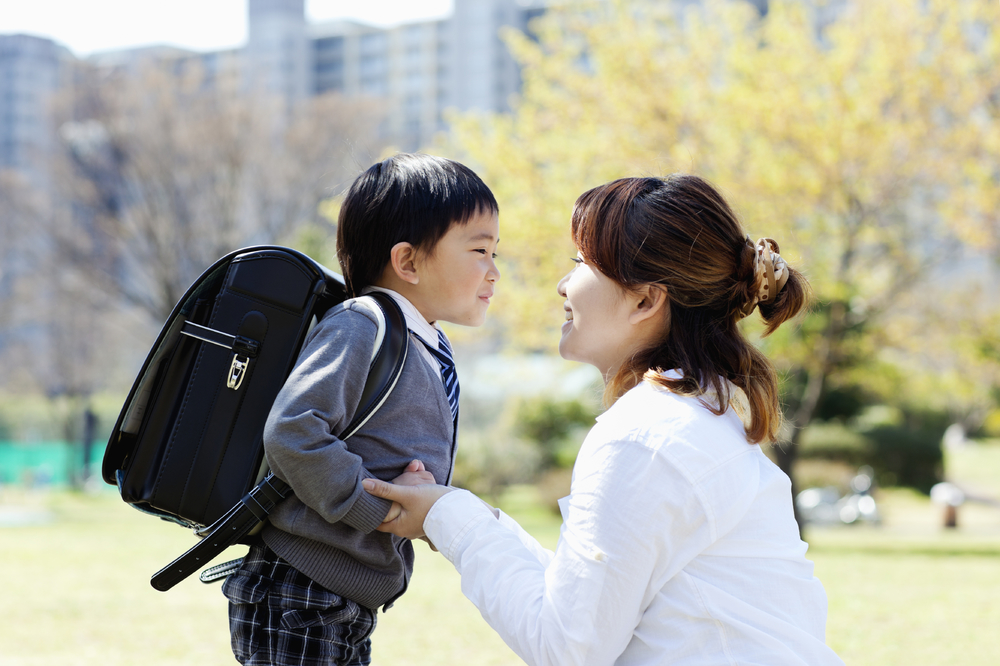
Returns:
<point x="91" y="26"/>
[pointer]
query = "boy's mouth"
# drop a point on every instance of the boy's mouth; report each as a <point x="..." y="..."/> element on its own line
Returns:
<point x="569" y="313"/>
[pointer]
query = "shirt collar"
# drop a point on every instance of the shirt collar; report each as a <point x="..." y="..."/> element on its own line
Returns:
<point x="709" y="397"/>
<point x="414" y="320"/>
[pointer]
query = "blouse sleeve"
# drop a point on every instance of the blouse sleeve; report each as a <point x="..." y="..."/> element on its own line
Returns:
<point x="632" y="522"/>
<point x="540" y="552"/>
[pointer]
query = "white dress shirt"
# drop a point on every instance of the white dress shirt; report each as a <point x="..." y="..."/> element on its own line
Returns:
<point x="678" y="546"/>
<point x="415" y="322"/>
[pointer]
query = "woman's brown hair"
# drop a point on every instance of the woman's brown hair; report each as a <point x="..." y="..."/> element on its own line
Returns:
<point x="680" y="233"/>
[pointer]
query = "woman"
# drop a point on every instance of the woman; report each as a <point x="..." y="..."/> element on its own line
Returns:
<point x="679" y="543"/>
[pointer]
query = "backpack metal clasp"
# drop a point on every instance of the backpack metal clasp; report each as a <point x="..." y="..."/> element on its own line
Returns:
<point x="237" y="371"/>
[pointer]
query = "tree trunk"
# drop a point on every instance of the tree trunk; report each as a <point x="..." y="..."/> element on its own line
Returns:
<point x="788" y="451"/>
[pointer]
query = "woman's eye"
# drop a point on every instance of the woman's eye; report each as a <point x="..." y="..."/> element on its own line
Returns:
<point x="576" y="260"/>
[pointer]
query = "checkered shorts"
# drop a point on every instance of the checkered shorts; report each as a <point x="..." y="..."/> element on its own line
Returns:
<point x="280" y="617"/>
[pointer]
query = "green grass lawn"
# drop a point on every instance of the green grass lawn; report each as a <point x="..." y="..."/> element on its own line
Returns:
<point x="76" y="588"/>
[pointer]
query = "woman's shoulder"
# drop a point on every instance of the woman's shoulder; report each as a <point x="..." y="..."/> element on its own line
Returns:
<point x="680" y="428"/>
<point x="648" y="407"/>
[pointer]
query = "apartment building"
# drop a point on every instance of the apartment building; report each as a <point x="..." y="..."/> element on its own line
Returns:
<point x="32" y="71"/>
<point x="416" y="71"/>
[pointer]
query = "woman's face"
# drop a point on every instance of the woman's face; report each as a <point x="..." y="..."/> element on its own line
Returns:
<point x="597" y="327"/>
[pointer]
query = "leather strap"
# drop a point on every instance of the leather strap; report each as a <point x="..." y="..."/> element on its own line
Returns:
<point x="254" y="507"/>
<point x="225" y="532"/>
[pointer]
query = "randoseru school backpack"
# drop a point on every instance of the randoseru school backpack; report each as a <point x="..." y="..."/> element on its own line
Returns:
<point x="188" y="446"/>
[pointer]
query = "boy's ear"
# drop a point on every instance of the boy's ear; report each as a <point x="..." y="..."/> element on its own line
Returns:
<point x="650" y="301"/>
<point x="403" y="259"/>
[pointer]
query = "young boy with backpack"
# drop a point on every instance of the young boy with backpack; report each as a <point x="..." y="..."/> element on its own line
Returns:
<point x="423" y="229"/>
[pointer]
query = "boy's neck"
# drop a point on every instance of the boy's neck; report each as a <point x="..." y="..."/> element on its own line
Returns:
<point x="404" y="289"/>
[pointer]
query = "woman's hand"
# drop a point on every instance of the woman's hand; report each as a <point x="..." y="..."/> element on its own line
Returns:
<point x="415" y="474"/>
<point x="414" y="503"/>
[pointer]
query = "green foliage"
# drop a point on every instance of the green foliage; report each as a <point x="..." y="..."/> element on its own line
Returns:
<point x="489" y="460"/>
<point x="837" y="402"/>
<point x="836" y="442"/>
<point x="867" y="149"/>
<point x="902" y="446"/>
<point x="841" y="403"/>
<point x="909" y="453"/>
<point x="556" y="427"/>
<point x="530" y="439"/>
<point x="317" y="240"/>
<point x="906" y="456"/>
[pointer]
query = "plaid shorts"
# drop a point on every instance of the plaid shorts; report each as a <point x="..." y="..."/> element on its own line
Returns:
<point x="280" y="617"/>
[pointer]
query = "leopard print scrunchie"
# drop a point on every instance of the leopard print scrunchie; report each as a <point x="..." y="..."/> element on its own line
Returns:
<point x="770" y="273"/>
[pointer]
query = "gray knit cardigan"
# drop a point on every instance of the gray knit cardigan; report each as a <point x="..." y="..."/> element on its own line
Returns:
<point x="326" y="529"/>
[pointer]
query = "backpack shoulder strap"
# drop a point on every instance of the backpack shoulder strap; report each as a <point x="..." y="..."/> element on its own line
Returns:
<point x="388" y="357"/>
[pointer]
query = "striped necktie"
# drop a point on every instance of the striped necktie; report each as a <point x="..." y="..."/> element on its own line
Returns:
<point x="448" y="373"/>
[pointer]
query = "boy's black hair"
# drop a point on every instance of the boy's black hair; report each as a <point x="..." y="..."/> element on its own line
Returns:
<point x="411" y="198"/>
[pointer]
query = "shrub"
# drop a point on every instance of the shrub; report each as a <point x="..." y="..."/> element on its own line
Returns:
<point x="556" y="427"/>
<point x="834" y="441"/>
<point x="902" y="446"/>
<point x="489" y="460"/>
<point x="908" y="454"/>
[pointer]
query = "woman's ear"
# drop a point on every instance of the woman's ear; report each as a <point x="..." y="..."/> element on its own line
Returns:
<point x="403" y="259"/>
<point x="650" y="302"/>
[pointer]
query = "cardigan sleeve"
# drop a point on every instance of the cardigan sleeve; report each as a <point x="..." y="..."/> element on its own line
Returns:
<point x="319" y="399"/>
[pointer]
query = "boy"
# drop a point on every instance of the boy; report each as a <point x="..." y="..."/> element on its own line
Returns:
<point x="424" y="229"/>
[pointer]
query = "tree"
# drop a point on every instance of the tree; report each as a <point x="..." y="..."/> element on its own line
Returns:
<point x="169" y="174"/>
<point x="20" y="206"/>
<point x="867" y="145"/>
<point x="161" y="175"/>
<point x="49" y="324"/>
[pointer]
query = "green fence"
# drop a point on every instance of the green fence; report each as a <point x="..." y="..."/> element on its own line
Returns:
<point x="45" y="463"/>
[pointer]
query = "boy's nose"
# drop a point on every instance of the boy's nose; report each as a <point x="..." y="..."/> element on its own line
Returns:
<point x="494" y="273"/>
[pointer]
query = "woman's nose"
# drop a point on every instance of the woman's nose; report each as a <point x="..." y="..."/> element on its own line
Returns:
<point x="561" y="286"/>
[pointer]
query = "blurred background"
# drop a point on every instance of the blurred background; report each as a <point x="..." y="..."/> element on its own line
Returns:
<point x="141" y="141"/>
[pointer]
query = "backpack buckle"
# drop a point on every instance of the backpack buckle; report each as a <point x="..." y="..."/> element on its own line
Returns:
<point x="237" y="371"/>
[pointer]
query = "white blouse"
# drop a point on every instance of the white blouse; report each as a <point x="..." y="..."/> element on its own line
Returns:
<point x="678" y="546"/>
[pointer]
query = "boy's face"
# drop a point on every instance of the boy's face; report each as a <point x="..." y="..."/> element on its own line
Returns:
<point x="458" y="276"/>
